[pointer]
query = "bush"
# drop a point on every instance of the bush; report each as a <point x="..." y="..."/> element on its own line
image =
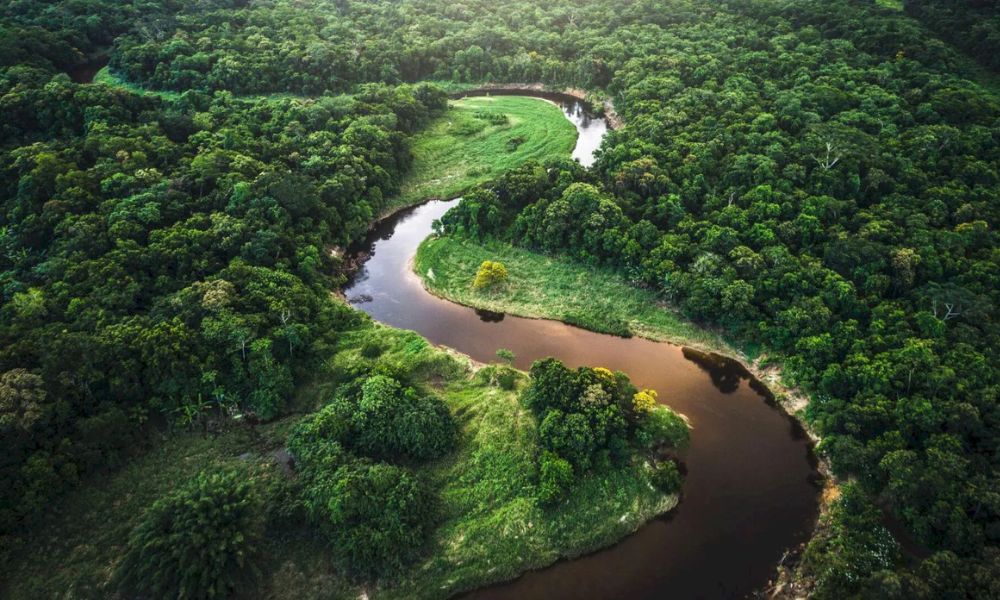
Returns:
<point x="555" y="476"/>
<point x="468" y="128"/>
<point x="376" y="517"/>
<point x="493" y="118"/>
<point x="391" y="422"/>
<point x="490" y="275"/>
<point x="317" y="441"/>
<point x="515" y="142"/>
<point x="506" y="378"/>
<point x="667" y="477"/>
<point x="371" y="350"/>
<point x="196" y="541"/>
<point x="662" y="427"/>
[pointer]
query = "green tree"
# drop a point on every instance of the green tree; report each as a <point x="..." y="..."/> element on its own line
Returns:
<point x="196" y="542"/>
<point x="490" y="275"/>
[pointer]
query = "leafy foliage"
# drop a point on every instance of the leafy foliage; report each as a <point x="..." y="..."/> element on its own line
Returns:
<point x="973" y="25"/>
<point x="391" y="421"/>
<point x="197" y="542"/>
<point x="815" y="177"/>
<point x="667" y="476"/>
<point x="375" y="515"/>
<point x="588" y="420"/>
<point x="834" y="205"/>
<point x="490" y="275"/>
<point x="172" y="255"/>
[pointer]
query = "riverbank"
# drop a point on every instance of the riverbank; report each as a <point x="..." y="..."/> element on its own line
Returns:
<point x="545" y="287"/>
<point x="600" y="300"/>
<point x="594" y="298"/>
<point x="492" y="528"/>
<point x="597" y="104"/>
<point x="479" y="138"/>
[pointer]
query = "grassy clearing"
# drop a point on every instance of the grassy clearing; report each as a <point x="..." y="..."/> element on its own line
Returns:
<point x="491" y="529"/>
<point x="106" y="77"/>
<point x="460" y="150"/>
<point x="553" y="288"/>
<point x="893" y="4"/>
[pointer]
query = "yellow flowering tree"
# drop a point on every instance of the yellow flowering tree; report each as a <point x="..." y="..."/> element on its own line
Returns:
<point x="644" y="401"/>
<point x="491" y="274"/>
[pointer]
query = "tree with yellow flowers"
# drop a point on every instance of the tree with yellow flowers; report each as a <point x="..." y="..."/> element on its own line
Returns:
<point x="491" y="274"/>
<point x="644" y="401"/>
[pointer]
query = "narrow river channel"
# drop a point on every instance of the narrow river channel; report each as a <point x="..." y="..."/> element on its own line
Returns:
<point x="751" y="488"/>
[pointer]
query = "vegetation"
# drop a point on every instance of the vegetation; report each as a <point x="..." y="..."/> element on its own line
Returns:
<point x="844" y="220"/>
<point x="479" y="138"/>
<point x="196" y="542"/>
<point x="972" y="25"/>
<point x="589" y="419"/>
<point x="491" y="274"/>
<point x="376" y="516"/>
<point x="596" y="298"/>
<point x="312" y="547"/>
<point x="816" y="178"/>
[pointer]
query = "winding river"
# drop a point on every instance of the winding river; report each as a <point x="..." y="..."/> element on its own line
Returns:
<point x="751" y="489"/>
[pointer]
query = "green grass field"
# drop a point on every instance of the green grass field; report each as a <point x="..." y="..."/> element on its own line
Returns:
<point x="492" y="528"/>
<point x="460" y="150"/>
<point x="554" y="288"/>
<point x="106" y="77"/>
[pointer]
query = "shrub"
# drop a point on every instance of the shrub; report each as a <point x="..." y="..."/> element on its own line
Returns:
<point x="493" y="118"/>
<point x="376" y="517"/>
<point x="371" y="350"/>
<point x="506" y="356"/>
<point x="468" y="128"/>
<point x="515" y="142"/>
<point x="661" y="427"/>
<point x="318" y="440"/>
<point x="196" y="541"/>
<point x="506" y="377"/>
<point x="391" y="421"/>
<point x="570" y="436"/>
<point x="667" y="477"/>
<point x="490" y="275"/>
<point x="555" y="476"/>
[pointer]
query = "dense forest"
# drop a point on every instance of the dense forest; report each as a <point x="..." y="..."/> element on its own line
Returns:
<point x="972" y="25"/>
<point x="820" y="179"/>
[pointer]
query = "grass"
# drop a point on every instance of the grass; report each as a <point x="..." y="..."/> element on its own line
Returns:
<point x="892" y="4"/>
<point x="460" y="150"/>
<point x="106" y="77"/>
<point x="491" y="527"/>
<point x="554" y="288"/>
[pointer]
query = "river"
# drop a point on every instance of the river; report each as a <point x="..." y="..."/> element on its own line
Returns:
<point x="751" y="490"/>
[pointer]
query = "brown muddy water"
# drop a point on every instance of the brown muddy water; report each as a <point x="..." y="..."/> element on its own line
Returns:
<point x="751" y="490"/>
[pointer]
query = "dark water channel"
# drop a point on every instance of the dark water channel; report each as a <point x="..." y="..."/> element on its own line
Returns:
<point x="751" y="489"/>
<point x="86" y="71"/>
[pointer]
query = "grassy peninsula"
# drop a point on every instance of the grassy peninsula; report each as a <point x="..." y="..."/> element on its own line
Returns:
<point x="548" y="287"/>
<point x="490" y="526"/>
<point x="479" y="138"/>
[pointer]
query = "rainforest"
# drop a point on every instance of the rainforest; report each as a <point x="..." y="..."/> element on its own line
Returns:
<point x="506" y="299"/>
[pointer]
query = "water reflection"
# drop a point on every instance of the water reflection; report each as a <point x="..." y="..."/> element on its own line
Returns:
<point x="488" y="316"/>
<point x="725" y="373"/>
